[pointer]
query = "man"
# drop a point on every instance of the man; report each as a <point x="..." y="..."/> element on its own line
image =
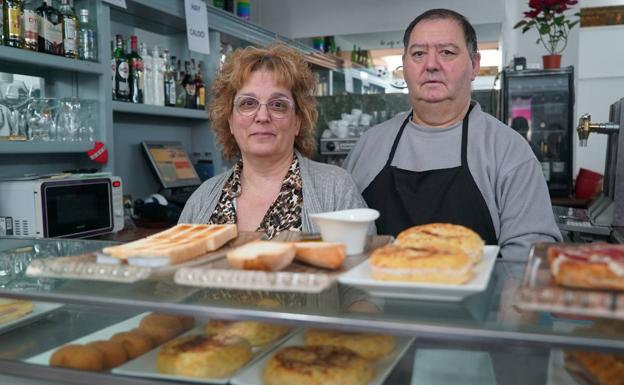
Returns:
<point x="446" y="160"/>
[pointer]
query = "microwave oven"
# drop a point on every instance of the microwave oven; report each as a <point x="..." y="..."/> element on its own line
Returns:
<point x="64" y="208"/>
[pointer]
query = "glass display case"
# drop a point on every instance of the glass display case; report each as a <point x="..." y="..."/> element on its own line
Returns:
<point x="486" y="337"/>
<point x="539" y="105"/>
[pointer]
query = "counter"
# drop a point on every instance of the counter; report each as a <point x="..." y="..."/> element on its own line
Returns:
<point x="489" y="321"/>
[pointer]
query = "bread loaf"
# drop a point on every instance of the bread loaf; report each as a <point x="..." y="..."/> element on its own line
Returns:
<point x="329" y="255"/>
<point x="175" y="245"/>
<point x="262" y="255"/>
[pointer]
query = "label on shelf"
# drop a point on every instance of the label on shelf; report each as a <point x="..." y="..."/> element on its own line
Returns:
<point x="197" y="26"/>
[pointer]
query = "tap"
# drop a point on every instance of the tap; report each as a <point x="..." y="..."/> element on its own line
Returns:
<point x="585" y="127"/>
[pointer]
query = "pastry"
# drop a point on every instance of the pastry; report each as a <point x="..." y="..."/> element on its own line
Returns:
<point x="13" y="309"/>
<point x="328" y="255"/>
<point x="317" y="365"/>
<point x="113" y="353"/>
<point x="426" y="264"/>
<point x="160" y="327"/>
<point x="600" y="368"/>
<point x="78" y="357"/>
<point x="591" y="266"/>
<point x="203" y="356"/>
<point x="443" y="234"/>
<point x="133" y="342"/>
<point x="175" y="245"/>
<point x="369" y="346"/>
<point x="257" y="333"/>
<point x="262" y="255"/>
<point x="187" y="321"/>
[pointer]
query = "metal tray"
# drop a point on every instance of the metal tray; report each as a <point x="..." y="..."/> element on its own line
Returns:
<point x="85" y="267"/>
<point x="539" y="292"/>
<point x="297" y="277"/>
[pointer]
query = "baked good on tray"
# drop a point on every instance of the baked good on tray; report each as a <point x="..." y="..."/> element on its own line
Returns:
<point x="257" y="333"/>
<point x="317" y="365"/>
<point x="78" y="357"/>
<point x="203" y="356"/>
<point x="113" y="353"/>
<point x="597" y="265"/>
<point x="328" y="255"/>
<point x="423" y="264"/>
<point x="262" y="255"/>
<point x="443" y="234"/>
<point x="175" y="245"/>
<point x="597" y="368"/>
<point x="369" y="346"/>
<point x="13" y="309"/>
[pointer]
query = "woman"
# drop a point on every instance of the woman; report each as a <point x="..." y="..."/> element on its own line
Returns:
<point x="263" y="112"/>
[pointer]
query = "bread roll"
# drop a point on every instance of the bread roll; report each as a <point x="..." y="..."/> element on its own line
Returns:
<point x="317" y="365"/>
<point x="328" y="255"/>
<point x="160" y="327"/>
<point x="262" y="255"/>
<point x="113" y="353"/>
<point x="448" y="265"/>
<point x="369" y="346"/>
<point x="78" y="357"/>
<point x="257" y="333"/>
<point x="133" y="342"/>
<point x="203" y="356"/>
<point x="442" y="235"/>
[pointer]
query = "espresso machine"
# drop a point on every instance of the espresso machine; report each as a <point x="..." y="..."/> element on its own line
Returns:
<point x="609" y="207"/>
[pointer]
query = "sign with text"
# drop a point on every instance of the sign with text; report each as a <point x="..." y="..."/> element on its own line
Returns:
<point x="119" y="3"/>
<point x="197" y="26"/>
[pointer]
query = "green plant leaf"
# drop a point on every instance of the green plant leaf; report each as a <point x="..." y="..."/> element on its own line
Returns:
<point x="544" y="29"/>
<point x="520" y="24"/>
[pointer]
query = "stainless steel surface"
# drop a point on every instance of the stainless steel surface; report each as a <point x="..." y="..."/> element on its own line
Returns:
<point x="586" y="126"/>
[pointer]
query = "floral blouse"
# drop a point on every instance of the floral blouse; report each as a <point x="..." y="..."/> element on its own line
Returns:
<point x="283" y="214"/>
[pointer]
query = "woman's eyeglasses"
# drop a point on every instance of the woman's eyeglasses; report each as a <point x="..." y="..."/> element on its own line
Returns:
<point x="249" y="106"/>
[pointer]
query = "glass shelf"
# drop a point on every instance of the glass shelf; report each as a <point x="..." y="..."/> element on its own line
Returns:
<point x="37" y="60"/>
<point x="146" y="109"/>
<point x="28" y="147"/>
<point x="489" y="317"/>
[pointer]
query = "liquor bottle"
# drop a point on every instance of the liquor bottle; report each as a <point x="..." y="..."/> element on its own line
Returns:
<point x="70" y="30"/>
<point x="148" y="75"/>
<point x="1" y="22"/>
<point x="50" y="29"/>
<point x="86" y="38"/>
<point x="12" y="16"/>
<point x="113" y="69"/>
<point x="180" y="90"/>
<point x="160" y="67"/>
<point x="200" y="89"/>
<point x="136" y="72"/>
<point x="30" y="26"/>
<point x="169" y="79"/>
<point x="122" y="71"/>
<point x="189" y="85"/>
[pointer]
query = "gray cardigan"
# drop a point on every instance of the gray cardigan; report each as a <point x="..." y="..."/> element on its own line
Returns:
<point x="325" y="188"/>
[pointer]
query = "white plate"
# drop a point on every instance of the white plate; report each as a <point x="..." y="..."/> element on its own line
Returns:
<point x="104" y="334"/>
<point x="360" y="277"/>
<point x="382" y="368"/>
<point x="40" y="309"/>
<point x="145" y="365"/>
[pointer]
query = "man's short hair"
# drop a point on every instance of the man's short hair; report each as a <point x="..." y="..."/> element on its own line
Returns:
<point x="440" y="13"/>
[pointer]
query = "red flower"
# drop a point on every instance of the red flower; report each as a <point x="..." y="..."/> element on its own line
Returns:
<point x="532" y="14"/>
<point x="537" y="5"/>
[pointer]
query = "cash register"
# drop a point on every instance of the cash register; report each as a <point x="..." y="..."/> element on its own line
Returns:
<point x="173" y="169"/>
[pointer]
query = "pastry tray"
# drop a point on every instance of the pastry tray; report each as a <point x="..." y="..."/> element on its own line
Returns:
<point x="296" y="277"/>
<point x="539" y="292"/>
<point x="85" y="267"/>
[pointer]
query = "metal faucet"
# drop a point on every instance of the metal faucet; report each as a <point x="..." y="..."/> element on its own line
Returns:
<point x="585" y="127"/>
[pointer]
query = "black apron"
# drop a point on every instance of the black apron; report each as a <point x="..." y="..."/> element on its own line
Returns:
<point x="408" y="198"/>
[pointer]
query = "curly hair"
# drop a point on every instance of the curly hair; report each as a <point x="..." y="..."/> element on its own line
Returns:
<point x="289" y="69"/>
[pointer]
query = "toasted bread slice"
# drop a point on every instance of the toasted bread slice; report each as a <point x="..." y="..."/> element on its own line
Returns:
<point x="329" y="255"/>
<point x="262" y="255"/>
<point x="14" y="309"/>
<point x="178" y="244"/>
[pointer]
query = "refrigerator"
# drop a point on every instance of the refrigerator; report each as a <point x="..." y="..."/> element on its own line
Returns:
<point x="539" y="104"/>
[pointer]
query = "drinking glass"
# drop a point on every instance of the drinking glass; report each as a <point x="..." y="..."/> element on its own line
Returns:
<point x="88" y="119"/>
<point x="68" y="120"/>
<point x="41" y="118"/>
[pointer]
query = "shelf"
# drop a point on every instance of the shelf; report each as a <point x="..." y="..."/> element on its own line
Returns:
<point x="146" y="109"/>
<point x="27" y="147"/>
<point x="45" y="61"/>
